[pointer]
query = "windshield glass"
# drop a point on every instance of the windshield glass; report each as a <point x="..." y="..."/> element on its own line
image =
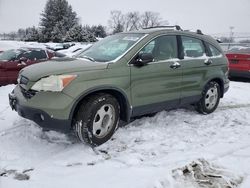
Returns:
<point x="9" y="55"/>
<point x="111" y="47"/>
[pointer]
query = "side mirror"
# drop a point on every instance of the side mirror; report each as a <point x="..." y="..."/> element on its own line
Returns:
<point x="143" y="59"/>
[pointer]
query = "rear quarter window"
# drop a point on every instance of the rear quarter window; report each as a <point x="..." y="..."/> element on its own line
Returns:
<point x="214" y="51"/>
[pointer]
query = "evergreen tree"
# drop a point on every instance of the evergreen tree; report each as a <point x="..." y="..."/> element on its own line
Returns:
<point x="57" y="18"/>
<point x="21" y="34"/>
<point x="31" y="34"/>
<point x="79" y="34"/>
<point x="98" y="31"/>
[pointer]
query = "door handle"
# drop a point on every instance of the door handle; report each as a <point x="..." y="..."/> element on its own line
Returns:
<point x="175" y="65"/>
<point x="208" y="62"/>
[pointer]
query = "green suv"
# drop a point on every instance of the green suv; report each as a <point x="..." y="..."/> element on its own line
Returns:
<point x="123" y="76"/>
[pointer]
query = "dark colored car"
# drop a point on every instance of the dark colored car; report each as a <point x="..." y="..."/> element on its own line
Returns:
<point x="12" y="61"/>
<point x="239" y="62"/>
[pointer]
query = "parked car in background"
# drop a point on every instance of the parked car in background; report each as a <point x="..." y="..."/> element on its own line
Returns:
<point x="12" y="61"/>
<point x="239" y="62"/>
<point x="227" y="46"/>
<point x="120" y="77"/>
<point x="75" y="50"/>
<point x="59" y="46"/>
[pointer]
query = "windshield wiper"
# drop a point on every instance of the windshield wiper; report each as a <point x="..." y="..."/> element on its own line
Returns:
<point x="89" y="58"/>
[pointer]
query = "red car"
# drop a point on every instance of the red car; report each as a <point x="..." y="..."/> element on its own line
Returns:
<point x="12" y="61"/>
<point x="239" y="62"/>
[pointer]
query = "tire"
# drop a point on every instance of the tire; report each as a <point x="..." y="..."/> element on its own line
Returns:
<point x="97" y="119"/>
<point x="210" y="98"/>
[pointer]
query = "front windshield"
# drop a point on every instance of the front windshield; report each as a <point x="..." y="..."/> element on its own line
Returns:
<point x="9" y="55"/>
<point x="111" y="47"/>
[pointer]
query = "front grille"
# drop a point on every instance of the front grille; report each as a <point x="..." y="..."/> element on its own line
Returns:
<point x="28" y="93"/>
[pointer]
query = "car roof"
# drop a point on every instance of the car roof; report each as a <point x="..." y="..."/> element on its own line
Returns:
<point x="176" y="30"/>
<point x="170" y="29"/>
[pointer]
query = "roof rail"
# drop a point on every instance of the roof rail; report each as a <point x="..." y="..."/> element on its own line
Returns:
<point x="177" y="27"/>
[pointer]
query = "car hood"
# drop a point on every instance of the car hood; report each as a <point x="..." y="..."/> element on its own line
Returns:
<point x="60" y="66"/>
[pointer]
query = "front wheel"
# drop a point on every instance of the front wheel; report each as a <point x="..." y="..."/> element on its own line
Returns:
<point x="210" y="98"/>
<point x="97" y="119"/>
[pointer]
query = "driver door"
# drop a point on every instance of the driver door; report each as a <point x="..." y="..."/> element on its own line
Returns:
<point x="156" y="86"/>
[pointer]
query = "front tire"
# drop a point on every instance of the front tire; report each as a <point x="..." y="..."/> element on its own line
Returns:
<point x="210" y="98"/>
<point x="97" y="119"/>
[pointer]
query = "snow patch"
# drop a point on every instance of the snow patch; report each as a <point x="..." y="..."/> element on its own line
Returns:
<point x="201" y="173"/>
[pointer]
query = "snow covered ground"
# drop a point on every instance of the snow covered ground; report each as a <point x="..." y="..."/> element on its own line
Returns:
<point x="6" y="44"/>
<point x="146" y="153"/>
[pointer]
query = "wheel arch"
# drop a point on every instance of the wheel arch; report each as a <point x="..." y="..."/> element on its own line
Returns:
<point x="220" y="82"/>
<point x="125" y="109"/>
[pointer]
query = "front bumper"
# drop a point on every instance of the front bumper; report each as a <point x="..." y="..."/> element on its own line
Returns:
<point x="39" y="116"/>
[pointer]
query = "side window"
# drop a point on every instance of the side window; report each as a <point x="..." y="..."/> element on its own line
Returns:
<point x="162" y="48"/>
<point x="192" y="47"/>
<point x="35" y="55"/>
<point x="214" y="51"/>
<point x="38" y="54"/>
<point x="25" y="54"/>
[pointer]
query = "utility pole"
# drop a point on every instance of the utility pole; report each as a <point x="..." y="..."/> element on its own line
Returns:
<point x="231" y="35"/>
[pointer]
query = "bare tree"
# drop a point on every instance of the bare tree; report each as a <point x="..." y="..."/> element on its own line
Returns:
<point x="132" y="21"/>
<point x="119" y="22"/>
<point x="150" y="19"/>
<point x="116" y="21"/>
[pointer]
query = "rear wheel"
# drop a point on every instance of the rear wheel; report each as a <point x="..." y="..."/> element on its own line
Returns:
<point x="210" y="98"/>
<point x="97" y="119"/>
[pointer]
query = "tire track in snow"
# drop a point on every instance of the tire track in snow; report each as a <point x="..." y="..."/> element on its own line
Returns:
<point x="221" y="108"/>
<point x="9" y="130"/>
<point x="230" y="152"/>
<point x="6" y="108"/>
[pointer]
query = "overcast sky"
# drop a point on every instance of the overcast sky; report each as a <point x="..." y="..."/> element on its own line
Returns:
<point x="211" y="16"/>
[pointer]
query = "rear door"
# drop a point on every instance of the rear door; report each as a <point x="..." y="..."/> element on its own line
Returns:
<point x="195" y="66"/>
<point x="156" y="86"/>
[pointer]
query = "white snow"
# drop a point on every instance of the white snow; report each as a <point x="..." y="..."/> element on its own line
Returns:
<point x="141" y="155"/>
<point x="6" y="45"/>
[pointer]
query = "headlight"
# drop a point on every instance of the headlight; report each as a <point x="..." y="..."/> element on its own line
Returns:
<point x="53" y="83"/>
